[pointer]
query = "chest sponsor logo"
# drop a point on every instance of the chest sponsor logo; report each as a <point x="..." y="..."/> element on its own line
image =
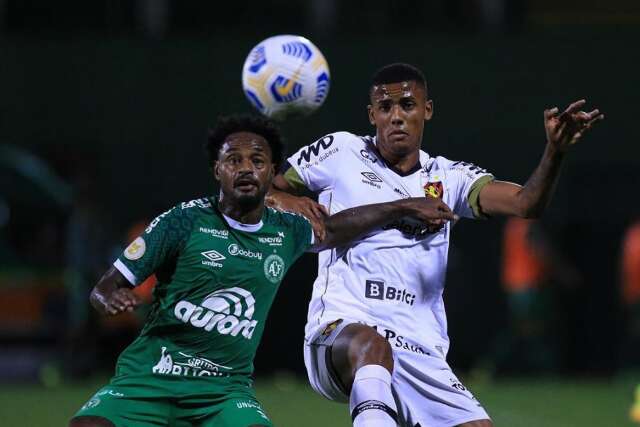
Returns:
<point x="273" y="240"/>
<point x="371" y="179"/>
<point x="315" y="148"/>
<point x="235" y="250"/>
<point x="274" y="268"/>
<point x="227" y="311"/>
<point x="400" y="342"/>
<point x="221" y="234"/>
<point x="212" y="258"/>
<point x="412" y="229"/>
<point x="136" y="249"/>
<point x="186" y="365"/>
<point x="376" y="289"/>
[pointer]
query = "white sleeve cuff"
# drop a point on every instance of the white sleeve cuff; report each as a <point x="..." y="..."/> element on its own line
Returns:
<point x="119" y="265"/>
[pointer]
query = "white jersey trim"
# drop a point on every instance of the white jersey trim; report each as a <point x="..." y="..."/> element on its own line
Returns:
<point x="250" y="228"/>
<point x="119" y="265"/>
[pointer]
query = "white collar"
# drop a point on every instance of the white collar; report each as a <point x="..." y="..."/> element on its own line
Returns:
<point x="250" y="228"/>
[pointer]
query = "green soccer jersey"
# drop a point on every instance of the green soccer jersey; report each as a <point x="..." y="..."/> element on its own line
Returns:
<point x="217" y="279"/>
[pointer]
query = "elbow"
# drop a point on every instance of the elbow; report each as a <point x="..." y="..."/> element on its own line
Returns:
<point x="530" y="212"/>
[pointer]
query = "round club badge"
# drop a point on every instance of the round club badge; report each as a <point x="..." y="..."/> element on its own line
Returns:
<point x="136" y="249"/>
<point x="274" y="268"/>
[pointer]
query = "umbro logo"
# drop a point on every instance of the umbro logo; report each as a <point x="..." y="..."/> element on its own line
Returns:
<point x="371" y="176"/>
<point x="371" y="179"/>
<point x="212" y="258"/>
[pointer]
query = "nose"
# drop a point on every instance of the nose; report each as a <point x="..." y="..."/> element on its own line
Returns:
<point x="245" y="165"/>
<point x="397" y="118"/>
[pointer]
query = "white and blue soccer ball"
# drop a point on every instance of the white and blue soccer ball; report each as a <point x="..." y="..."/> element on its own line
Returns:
<point x="285" y="76"/>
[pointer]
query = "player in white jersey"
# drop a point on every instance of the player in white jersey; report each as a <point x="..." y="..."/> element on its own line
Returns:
<point x="377" y="332"/>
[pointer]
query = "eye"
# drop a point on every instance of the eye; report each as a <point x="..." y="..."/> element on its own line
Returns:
<point x="408" y="104"/>
<point x="258" y="161"/>
<point x="233" y="159"/>
<point x="384" y="106"/>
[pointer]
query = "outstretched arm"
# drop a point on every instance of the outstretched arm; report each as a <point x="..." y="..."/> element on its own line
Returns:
<point x="113" y="294"/>
<point x="350" y="224"/>
<point x="529" y="201"/>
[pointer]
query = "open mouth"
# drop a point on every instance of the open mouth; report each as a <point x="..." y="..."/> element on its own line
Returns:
<point x="246" y="184"/>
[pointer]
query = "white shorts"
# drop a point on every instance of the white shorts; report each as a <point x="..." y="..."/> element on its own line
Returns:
<point x="426" y="391"/>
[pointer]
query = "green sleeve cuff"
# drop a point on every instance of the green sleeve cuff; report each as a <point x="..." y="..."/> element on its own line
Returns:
<point x="294" y="180"/>
<point x="474" y="195"/>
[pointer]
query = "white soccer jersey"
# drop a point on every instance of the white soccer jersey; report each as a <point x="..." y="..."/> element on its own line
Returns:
<point x="392" y="278"/>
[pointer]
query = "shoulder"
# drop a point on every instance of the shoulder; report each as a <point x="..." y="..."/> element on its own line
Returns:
<point x="467" y="169"/>
<point x="284" y="219"/>
<point x="184" y="212"/>
<point x="330" y="145"/>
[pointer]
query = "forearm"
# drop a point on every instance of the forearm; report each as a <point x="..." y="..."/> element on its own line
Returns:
<point x="111" y="281"/>
<point x="350" y="224"/>
<point x="536" y="194"/>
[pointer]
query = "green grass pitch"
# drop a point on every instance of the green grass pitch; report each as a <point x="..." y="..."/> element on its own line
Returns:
<point x="290" y="402"/>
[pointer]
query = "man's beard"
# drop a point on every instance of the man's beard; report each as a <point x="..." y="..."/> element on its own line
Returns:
<point x="250" y="201"/>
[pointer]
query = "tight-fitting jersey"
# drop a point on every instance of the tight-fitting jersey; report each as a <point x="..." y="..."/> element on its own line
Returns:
<point x="394" y="276"/>
<point x="217" y="279"/>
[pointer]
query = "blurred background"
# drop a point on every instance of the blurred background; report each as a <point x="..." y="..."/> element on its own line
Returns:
<point x="104" y="107"/>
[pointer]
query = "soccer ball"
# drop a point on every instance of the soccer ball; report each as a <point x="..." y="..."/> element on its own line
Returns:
<point x="285" y="76"/>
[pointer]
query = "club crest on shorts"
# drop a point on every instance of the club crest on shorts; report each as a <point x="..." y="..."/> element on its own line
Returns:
<point x="434" y="189"/>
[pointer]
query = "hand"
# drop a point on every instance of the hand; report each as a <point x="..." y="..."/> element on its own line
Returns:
<point x="313" y="211"/>
<point x="565" y="129"/>
<point x="430" y="210"/>
<point x="121" y="300"/>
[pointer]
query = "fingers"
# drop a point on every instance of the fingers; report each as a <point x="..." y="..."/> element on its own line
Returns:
<point x="550" y="113"/>
<point x="121" y="300"/>
<point x="319" y="211"/>
<point x="572" y="108"/>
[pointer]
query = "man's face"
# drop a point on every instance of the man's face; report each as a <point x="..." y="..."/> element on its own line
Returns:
<point x="244" y="167"/>
<point x="398" y="111"/>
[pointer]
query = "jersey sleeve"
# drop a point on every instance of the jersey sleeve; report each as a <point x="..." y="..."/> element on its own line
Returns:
<point x="468" y="179"/>
<point x="314" y="166"/>
<point x="303" y="232"/>
<point x="162" y="240"/>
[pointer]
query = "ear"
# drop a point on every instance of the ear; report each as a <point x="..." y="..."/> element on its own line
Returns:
<point x="215" y="170"/>
<point x="428" y="110"/>
<point x="370" y="114"/>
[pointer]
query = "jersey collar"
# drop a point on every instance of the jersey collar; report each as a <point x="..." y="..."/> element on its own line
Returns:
<point x="250" y="228"/>
<point x="423" y="157"/>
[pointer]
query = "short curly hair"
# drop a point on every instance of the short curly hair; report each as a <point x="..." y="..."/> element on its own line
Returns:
<point x="227" y="125"/>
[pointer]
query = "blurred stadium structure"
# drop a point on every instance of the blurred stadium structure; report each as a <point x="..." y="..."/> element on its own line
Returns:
<point x="104" y="106"/>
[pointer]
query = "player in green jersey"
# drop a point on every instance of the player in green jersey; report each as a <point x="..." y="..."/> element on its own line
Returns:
<point x="219" y="262"/>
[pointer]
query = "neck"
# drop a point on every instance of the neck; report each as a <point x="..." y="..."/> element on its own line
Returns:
<point x="402" y="163"/>
<point x="245" y="213"/>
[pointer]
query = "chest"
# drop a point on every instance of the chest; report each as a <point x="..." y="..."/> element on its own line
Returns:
<point x="367" y="182"/>
<point x="216" y="252"/>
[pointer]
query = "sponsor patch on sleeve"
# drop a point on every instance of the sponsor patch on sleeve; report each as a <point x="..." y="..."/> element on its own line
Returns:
<point x="136" y="249"/>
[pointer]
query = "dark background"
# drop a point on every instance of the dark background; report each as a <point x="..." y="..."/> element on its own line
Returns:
<point x="116" y="97"/>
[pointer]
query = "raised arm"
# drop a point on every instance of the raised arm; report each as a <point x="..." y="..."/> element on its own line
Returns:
<point x="350" y="224"/>
<point x="529" y="201"/>
<point x="113" y="294"/>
